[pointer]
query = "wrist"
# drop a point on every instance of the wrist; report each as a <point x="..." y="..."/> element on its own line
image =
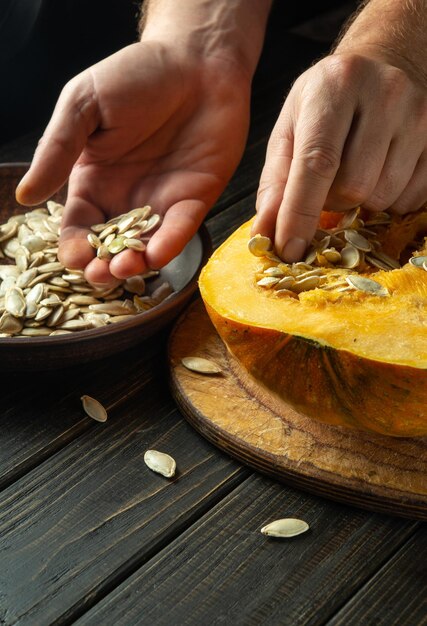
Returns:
<point x="391" y="31"/>
<point x="231" y="32"/>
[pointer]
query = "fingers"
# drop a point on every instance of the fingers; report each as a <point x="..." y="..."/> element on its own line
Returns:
<point x="74" y="250"/>
<point x="180" y="224"/>
<point x="352" y="132"/>
<point x="379" y="159"/>
<point x="414" y="195"/>
<point x="127" y="263"/>
<point x="308" y="173"/>
<point x="273" y="179"/>
<point x="75" y="117"/>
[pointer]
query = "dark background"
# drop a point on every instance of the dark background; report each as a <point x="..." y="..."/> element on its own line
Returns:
<point x="43" y="43"/>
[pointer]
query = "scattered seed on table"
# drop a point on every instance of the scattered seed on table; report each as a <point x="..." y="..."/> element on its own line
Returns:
<point x="94" y="409"/>
<point x="283" y="528"/>
<point x="160" y="462"/>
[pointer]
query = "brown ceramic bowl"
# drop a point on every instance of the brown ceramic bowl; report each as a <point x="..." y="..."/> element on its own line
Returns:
<point x="29" y="353"/>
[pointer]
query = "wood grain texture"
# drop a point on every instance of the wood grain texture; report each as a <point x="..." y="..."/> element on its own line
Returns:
<point x="397" y="594"/>
<point x="232" y="410"/>
<point x="78" y="523"/>
<point x="42" y="413"/>
<point x="224" y="571"/>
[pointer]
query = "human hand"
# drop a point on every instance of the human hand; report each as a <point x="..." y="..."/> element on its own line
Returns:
<point x="148" y="125"/>
<point x="353" y="131"/>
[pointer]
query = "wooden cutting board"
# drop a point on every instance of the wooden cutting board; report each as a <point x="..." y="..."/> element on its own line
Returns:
<point x="235" y="413"/>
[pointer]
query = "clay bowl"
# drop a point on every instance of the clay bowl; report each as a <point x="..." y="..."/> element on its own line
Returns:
<point x="44" y="353"/>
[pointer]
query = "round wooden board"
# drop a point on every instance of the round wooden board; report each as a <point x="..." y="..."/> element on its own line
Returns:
<point x="234" y="412"/>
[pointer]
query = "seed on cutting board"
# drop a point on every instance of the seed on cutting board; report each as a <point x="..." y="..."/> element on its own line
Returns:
<point x="94" y="409"/>
<point x="200" y="365"/>
<point x="286" y="527"/>
<point x="160" y="462"/>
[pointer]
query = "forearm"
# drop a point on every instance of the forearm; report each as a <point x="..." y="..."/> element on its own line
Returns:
<point x="397" y="29"/>
<point x="233" y="30"/>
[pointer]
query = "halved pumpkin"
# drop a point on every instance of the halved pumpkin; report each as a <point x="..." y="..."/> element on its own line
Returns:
<point x="348" y="358"/>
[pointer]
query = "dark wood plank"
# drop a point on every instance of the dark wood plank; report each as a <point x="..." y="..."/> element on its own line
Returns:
<point x="223" y="225"/>
<point x="224" y="571"/>
<point x="41" y="411"/>
<point x="93" y="512"/>
<point x="397" y="595"/>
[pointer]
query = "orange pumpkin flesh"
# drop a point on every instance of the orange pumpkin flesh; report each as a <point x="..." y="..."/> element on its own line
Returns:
<point x="348" y="359"/>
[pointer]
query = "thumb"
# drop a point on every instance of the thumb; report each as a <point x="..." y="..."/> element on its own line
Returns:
<point x="74" y="118"/>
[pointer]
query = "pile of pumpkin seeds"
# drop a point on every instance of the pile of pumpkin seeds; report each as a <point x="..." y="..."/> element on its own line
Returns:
<point x="41" y="297"/>
<point x="124" y="231"/>
<point x="334" y="261"/>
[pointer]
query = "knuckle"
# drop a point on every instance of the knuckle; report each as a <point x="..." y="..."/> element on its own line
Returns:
<point x="340" y="70"/>
<point x="80" y="95"/>
<point x="305" y="214"/>
<point x="400" y="207"/>
<point x="321" y="160"/>
<point x="377" y="202"/>
<point x="394" y="89"/>
<point x="268" y="193"/>
<point x="280" y="143"/>
<point x="351" y="193"/>
<point x="420" y="114"/>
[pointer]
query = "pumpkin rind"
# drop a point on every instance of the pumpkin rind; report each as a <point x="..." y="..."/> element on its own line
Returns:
<point x="369" y="372"/>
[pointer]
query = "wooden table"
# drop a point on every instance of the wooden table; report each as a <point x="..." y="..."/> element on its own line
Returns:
<point x="89" y="535"/>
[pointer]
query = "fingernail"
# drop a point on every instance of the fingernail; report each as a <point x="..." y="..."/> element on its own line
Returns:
<point x="294" y="249"/>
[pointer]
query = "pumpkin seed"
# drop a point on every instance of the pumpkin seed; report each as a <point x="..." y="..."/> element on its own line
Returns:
<point x="267" y="281"/>
<point x="15" y="302"/>
<point x="117" y="245"/>
<point x="350" y="257"/>
<point x="134" y="244"/>
<point x="109" y="229"/>
<point x="332" y="255"/>
<point x="418" y="261"/>
<point x="367" y="285"/>
<point x="348" y="218"/>
<point x="200" y="365"/>
<point x="284" y="528"/>
<point x="386" y="259"/>
<point x="305" y="284"/>
<point x="160" y="462"/>
<point x="10" y="324"/>
<point x="152" y="222"/>
<point x="8" y="230"/>
<point x="273" y="271"/>
<point x="259" y="245"/>
<point x="94" y="409"/>
<point x="94" y="241"/>
<point x="287" y="282"/>
<point x="357" y="240"/>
